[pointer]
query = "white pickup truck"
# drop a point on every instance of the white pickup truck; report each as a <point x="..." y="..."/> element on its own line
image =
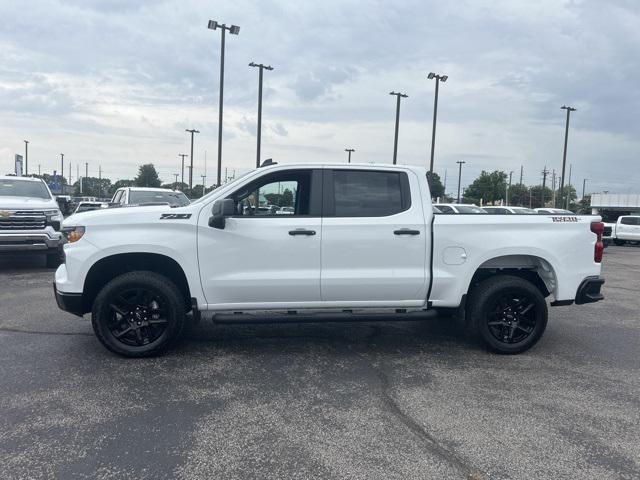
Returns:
<point x="361" y="239"/>
<point x="30" y="219"/>
<point x="625" y="230"/>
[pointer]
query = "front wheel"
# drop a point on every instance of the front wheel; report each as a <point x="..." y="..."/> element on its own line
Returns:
<point x="138" y="314"/>
<point x="508" y="313"/>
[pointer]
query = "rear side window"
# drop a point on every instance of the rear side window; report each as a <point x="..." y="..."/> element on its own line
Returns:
<point x="118" y="196"/>
<point x="363" y="193"/>
<point x="630" y="221"/>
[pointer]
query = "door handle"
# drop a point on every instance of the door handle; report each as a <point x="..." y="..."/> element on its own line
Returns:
<point x="302" y="231"/>
<point x="406" y="231"/>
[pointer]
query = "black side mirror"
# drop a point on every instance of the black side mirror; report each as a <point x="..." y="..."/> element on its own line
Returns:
<point x="220" y="210"/>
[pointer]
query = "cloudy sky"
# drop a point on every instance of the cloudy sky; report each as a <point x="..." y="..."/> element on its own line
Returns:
<point x="116" y="82"/>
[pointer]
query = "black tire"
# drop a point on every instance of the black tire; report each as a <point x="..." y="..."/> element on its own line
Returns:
<point x="54" y="258"/>
<point x="509" y="314"/>
<point x="618" y="242"/>
<point x="138" y="314"/>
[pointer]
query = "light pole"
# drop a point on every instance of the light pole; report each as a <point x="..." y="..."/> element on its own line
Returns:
<point x="86" y="169"/>
<point x="584" y="184"/>
<point x="61" y="172"/>
<point x="395" y="142"/>
<point x="439" y="78"/>
<point x="175" y="183"/>
<point x="459" y="162"/>
<point x="182" y="155"/>
<point x="508" y="188"/>
<point x="233" y="30"/>
<point x="192" y="131"/>
<point x="564" y="155"/>
<point x="349" y="151"/>
<point x="260" y="67"/>
<point x="26" y="158"/>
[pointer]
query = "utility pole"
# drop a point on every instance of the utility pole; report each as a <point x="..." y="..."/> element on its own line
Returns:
<point x="39" y="174"/>
<point x="564" y="154"/>
<point x="182" y="155"/>
<point x="61" y="171"/>
<point x="349" y="151"/>
<point x="584" y="183"/>
<point x="192" y="131"/>
<point x="203" y="187"/>
<point x="26" y="158"/>
<point x="395" y="142"/>
<point x="444" y="186"/>
<point x="460" y="162"/>
<point x="545" y="172"/>
<point x="175" y="182"/>
<point x="233" y="30"/>
<point x="438" y="78"/>
<point x="86" y="169"/>
<point x="261" y="67"/>
<point x="521" y="170"/>
<point x="508" y="188"/>
<point x="553" y="177"/>
<point x="569" y="185"/>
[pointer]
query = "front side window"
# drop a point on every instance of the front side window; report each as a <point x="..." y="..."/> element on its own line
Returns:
<point x="629" y="220"/>
<point x="23" y="188"/>
<point x="361" y="193"/>
<point x="142" y="197"/>
<point x="281" y="193"/>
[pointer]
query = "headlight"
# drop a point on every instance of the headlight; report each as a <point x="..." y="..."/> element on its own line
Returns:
<point x="54" y="218"/>
<point x="73" y="234"/>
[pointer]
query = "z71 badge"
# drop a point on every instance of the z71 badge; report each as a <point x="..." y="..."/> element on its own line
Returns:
<point x="175" y="216"/>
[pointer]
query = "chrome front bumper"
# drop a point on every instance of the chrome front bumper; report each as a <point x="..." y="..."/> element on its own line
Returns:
<point x="30" y="240"/>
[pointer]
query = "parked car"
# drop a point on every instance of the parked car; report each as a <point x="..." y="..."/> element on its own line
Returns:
<point x="30" y="219"/>
<point x="625" y="230"/>
<point x="505" y="210"/>
<point x="554" y="211"/>
<point x="88" y="206"/>
<point x="363" y="239"/>
<point x="129" y="196"/>
<point x="458" y="208"/>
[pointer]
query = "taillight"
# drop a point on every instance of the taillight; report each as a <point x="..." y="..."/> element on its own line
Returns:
<point x="598" y="229"/>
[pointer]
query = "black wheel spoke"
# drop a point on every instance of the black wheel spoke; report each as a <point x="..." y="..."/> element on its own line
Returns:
<point x="526" y="309"/>
<point x="120" y="334"/>
<point x="158" y="321"/>
<point x="119" y="310"/>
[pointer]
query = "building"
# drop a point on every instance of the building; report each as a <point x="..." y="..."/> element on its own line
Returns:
<point x="611" y="205"/>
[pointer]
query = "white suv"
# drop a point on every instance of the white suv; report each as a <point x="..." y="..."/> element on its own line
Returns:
<point x="149" y="196"/>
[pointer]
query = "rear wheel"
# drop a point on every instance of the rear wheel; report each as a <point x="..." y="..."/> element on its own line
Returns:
<point x="138" y="314"/>
<point x="508" y="313"/>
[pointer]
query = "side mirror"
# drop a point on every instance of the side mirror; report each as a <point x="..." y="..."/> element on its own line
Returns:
<point x="220" y="210"/>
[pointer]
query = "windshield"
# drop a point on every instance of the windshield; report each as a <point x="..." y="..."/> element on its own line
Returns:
<point x="174" y="199"/>
<point x="469" y="209"/>
<point x="201" y="199"/>
<point x="23" y="188"/>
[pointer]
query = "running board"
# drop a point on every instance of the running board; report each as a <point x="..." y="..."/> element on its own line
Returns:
<point x="293" y="316"/>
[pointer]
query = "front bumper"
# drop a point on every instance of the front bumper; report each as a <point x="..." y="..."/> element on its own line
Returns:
<point x="589" y="290"/>
<point x="69" y="302"/>
<point x="30" y="240"/>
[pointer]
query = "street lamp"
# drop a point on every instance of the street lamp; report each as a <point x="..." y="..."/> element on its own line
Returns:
<point x="439" y="78"/>
<point x="460" y="162"/>
<point x="564" y="155"/>
<point x="26" y="158"/>
<point x="261" y="67"/>
<point x="182" y="169"/>
<point x="349" y="150"/>
<point x="192" y="131"/>
<point x="233" y="30"/>
<point x="395" y="142"/>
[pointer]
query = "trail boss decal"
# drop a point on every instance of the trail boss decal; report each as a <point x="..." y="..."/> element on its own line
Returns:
<point x="564" y="219"/>
<point x="175" y="216"/>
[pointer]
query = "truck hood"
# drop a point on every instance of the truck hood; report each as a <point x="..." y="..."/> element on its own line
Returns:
<point x="27" y="203"/>
<point x="120" y="215"/>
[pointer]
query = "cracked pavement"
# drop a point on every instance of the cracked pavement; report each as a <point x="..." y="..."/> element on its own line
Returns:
<point x="394" y="399"/>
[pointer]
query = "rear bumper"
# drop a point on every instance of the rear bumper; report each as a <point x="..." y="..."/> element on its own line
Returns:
<point x="69" y="302"/>
<point x="589" y="290"/>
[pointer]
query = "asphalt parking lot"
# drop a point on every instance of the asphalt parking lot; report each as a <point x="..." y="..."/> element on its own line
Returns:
<point x="384" y="400"/>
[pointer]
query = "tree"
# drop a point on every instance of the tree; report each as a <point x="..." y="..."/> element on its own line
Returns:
<point x="570" y="192"/>
<point x="435" y="185"/>
<point x="519" y="195"/>
<point x="536" y="196"/>
<point x="584" y="206"/>
<point x="147" y="176"/>
<point x="93" y="187"/>
<point x="488" y="187"/>
<point x="120" y="184"/>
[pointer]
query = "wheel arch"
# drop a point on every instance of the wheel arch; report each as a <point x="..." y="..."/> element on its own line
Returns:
<point x="533" y="268"/>
<point x="114" y="265"/>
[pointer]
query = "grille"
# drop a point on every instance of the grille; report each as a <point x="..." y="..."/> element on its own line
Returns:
<point x="23" y="220"/>
<point x="607" y="231"/>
